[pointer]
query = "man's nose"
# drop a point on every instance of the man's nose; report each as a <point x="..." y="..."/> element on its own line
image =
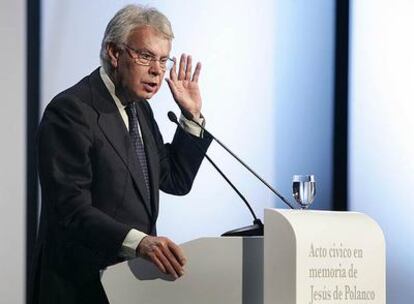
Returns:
<point x="155" y="68"/>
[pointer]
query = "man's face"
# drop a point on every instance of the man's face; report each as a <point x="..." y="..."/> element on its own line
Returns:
<point x="141" y="81"/>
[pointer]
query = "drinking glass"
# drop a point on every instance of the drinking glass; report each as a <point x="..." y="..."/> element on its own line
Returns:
<point x="304" y="189"/>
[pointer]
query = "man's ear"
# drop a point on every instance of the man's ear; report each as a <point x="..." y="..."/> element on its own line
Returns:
<point x="113" y="53"/>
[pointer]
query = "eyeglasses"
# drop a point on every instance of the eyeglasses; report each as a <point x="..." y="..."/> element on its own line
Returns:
<point x="142" y="57"/>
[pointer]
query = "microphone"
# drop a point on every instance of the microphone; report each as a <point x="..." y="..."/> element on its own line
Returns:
<point x="252" y="230"/>
<point x="189" y="116"/>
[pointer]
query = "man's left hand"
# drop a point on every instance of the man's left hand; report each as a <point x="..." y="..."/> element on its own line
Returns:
<point x="184" y="86"/>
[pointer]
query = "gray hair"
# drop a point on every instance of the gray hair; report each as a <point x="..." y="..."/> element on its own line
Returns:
<point x="128" y="19"/>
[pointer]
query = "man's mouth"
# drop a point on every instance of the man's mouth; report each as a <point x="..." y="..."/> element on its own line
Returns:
<point x="150" y="86"/>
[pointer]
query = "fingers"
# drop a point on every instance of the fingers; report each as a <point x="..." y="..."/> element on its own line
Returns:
<point x="181" y="71"/>
<point x="197" y="72"/>
<point x="170" y="84"/>
<point x="188" y="68"/>
<point x="178" y="253"/>
<point x="167" y="256"/>
<point x="185" y="70"/>
<point x="170" y="262"/>
<point x="172" y="267"/>
<point x="173" y="72"/>
<point x="158" y="263"/>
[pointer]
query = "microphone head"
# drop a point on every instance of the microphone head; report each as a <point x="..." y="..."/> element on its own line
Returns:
<point x="172" y="117"/>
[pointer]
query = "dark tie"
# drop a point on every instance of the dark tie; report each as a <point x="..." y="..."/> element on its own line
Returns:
<point x="136" y="140"/>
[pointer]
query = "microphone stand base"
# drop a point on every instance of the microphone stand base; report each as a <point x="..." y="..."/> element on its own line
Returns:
<point x="252" y="230"/>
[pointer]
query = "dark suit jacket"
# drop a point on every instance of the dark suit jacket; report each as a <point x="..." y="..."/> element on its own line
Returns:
<point x="93" y="190"/>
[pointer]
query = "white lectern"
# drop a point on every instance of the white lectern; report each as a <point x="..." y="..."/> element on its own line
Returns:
<point x="219" y="271"/>
<point x="313" y="257"/>
<point x="305" y="257"/>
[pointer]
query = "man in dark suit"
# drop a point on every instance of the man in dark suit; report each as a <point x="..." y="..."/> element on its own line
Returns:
<point x="102" y="162"/>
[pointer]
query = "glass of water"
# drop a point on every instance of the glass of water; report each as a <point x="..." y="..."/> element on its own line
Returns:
<point x="304" y="189"/>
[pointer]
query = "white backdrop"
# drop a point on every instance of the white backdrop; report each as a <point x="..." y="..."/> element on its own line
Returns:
<point x="381" y="126"/>
<point x="267" y="88"/>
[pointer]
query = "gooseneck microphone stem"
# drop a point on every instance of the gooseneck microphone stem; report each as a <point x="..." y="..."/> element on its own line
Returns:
<point x="189" y="116"/>
<point x="232" y="185"/>
<point x="257" y="227"/>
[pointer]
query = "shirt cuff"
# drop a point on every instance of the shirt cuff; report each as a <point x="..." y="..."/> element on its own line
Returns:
<point x="130" y="244"/>
<point x="191" y="127"/>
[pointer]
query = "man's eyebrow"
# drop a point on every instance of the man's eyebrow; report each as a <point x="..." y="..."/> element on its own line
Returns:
<point x="147" y="51"/>
<point x="151" y="53"/>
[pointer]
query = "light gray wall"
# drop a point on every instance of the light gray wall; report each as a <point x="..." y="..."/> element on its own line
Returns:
<point x="304" y="87"/>
<point x="12" y="157"/>
<point x="381" y="131"/>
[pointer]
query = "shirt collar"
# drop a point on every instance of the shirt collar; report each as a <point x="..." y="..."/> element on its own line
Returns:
<point x="111" y="88"/>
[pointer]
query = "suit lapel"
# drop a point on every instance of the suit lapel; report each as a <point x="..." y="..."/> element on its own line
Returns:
<point x="111" y="124"/>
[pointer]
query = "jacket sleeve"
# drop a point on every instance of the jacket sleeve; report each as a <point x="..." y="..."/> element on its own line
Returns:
<point x="180" y="160"/>
<point x="65" y="143"/>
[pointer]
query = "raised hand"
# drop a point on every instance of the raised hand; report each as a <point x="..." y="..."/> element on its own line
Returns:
<point x="184" y="86"/>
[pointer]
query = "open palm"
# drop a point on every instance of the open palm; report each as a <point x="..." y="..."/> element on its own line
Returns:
<point x="184" y="86"/>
